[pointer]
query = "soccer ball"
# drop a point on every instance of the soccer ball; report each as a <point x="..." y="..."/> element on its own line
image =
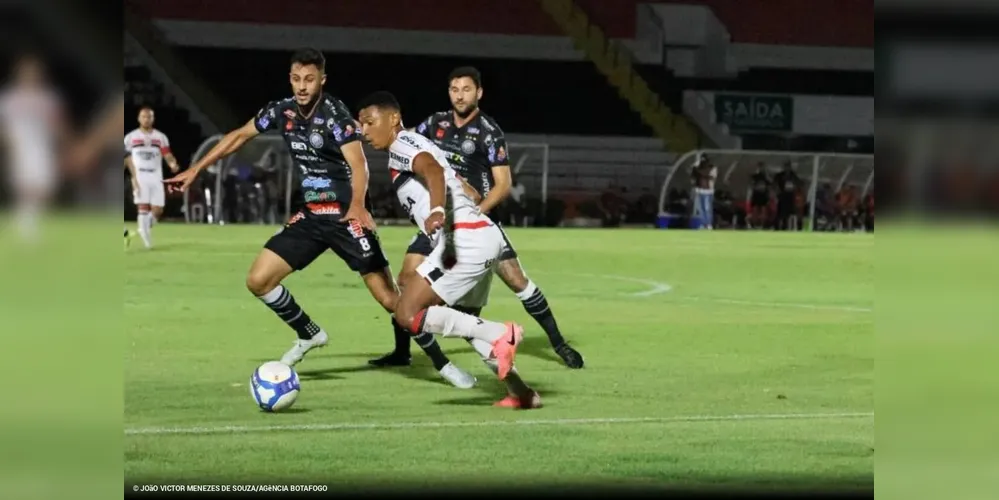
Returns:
<point x="274" y="386"/>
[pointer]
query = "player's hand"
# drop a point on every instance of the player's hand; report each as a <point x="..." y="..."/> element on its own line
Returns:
<point x="362" y="216"/>
<point x="174" y="168"/>
<point x="433" y="223"/>
<point x="180" y="182"/>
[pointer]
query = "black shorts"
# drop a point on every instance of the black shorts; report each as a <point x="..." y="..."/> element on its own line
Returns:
<point x="304" y="239"/>
<point x="760" y="200"/>
<point x="420" y="245"/>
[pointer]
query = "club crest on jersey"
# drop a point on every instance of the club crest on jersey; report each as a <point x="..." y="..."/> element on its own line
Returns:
<point x="467" y="147"/>
<point x="317" y="120"/>
<point x="316" y="140"/>
<point x="473" y="130"/>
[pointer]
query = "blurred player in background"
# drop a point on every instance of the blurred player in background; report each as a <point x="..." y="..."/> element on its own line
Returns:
<point x="33" y="124"/>
<point x="147" y="148"/>
<point x="325" y="146"/>
<point x="475" y="147"/>
<point x="465" y="245"/>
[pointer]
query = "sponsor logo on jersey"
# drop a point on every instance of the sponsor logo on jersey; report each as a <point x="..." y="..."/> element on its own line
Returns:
<point x="422" y="128"/>
<point x="398" y="158"/>
<point x="337" y="133"/>
<point x="317" y="120"/>
<point x="319" y="196"/>
<point x="324" y="208"/>
<point x="487" y="125"/>
<point x="147" y="155"/>
<point x="316" y="140"/>
<point x="501" y="154"/>
<point x="468" y="147"/>
<point x="330" y="123"/>
<point x="348" y="131"/>
<point x="440" y="133"/>
<point x="473" y="130"/>
<point x="263" y="122"/>
<point x="489" y="140"/>
<point x="288" y="126"/>
<point x="454" y="158"/>
<point x="295" y="218"/>
<point x="409" y="140"/>
<point x="298" y="146"/>
<point x="290" y="114"/>
<point x="444" y="124"/>
<point x="492" y="153"/>
<point x="316" y="183"/>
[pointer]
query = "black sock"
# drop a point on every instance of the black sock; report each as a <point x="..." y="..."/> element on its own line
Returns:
<point x="429" y="344"/>
<point x="283" y="304"/>
<point x="537" y="306"/>
<point x="402" y="339"/>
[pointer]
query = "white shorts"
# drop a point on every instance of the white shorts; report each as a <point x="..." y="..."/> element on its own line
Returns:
<point x="477" y="251"/>
<point x="150" y="193"/>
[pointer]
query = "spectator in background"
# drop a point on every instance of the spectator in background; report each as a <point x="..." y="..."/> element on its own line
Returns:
<point x="825" y="207"/>
<point x="787" y="182"/>
<point x="517" y="202"/>
<point x="612" y="207"/>
<point x="869" y="211"/>
<point x="759" y="200"/>
<point x="849" y="207"/>
<point x="704" y="176"/>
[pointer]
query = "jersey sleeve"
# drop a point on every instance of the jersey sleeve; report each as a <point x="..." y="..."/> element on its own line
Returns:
<point x="496" y="151"/>
<point x="164" y="144"/>
<point x="128" y="143"/>
<point x="268" y="118"/>
<point x="425" y="128"/>
<point x="345" y="130"/>
<point x="404" y="149"/>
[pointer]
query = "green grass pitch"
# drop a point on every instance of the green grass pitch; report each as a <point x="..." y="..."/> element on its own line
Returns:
<point x="713" y="359"/>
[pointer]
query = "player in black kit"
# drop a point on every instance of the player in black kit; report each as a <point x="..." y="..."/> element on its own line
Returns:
<point x="324" y="142"/>
<point x="477" y="151"/>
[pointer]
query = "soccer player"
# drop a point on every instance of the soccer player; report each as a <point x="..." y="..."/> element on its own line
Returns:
<point x="147" y="148"/>
<point x="475" y="147"/>
<point x="33" y="125"/>
<point x="324" y="142"/>
<point x="463" y="254"/>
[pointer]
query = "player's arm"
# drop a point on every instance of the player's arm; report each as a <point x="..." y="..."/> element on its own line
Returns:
<point x="500" y="166"/>
<point x="229" y="144"/>
<point x="168" y="155"/>
<point x="432" y="173"/>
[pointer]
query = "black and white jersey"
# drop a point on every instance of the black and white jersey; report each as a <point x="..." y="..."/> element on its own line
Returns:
<point x="314" y="143"/>
<point x="472" y="150"/>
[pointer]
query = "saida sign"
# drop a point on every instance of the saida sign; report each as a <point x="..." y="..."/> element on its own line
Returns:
<point x="746" y="112"/>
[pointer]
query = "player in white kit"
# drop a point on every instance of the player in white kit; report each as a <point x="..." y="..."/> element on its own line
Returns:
<point x="147" y="148"/>
<point x="466" y="245"/>
<point x="31" y="118"/>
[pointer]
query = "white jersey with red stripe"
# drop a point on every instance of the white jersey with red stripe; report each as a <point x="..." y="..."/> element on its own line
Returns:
<point x="147" y="150"/>
<point x="414" y="196"/>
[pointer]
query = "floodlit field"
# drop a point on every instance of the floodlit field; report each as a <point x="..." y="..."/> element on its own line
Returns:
<point x="716" y="358"/>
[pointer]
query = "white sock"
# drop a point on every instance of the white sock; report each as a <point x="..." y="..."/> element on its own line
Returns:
<point x="450" y="323"/>
<point x="527" y="292"/>
<point x="514" y="384"/>
<point x="145" y="228"/>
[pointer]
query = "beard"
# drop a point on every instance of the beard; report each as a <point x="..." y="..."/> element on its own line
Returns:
<point x="468" y="111"/>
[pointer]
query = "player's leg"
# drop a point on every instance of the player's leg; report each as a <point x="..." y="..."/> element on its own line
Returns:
<point x="419" y="311"/>
<point x="142" y="196"/>
<point x="362" y="252"/>
<point x="534" y="302"/>
<point x="418" y="249"/>
<point x="292" y="249"/>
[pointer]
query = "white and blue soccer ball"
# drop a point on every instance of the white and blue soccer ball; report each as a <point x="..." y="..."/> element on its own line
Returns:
<point x="274" y="386"/>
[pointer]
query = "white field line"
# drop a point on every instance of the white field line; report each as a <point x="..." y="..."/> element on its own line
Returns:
<point x="238" y="429"/>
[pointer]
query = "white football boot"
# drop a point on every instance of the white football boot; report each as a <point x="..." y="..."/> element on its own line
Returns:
<point x="297" y="352"/>
<point x="457" y="377"/>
